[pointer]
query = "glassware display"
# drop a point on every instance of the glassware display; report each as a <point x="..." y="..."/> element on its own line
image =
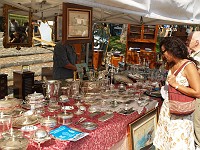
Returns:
<point x="5" y="123"/>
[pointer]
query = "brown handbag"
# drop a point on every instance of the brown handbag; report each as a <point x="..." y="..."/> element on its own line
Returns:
<point x="179" y="103"/>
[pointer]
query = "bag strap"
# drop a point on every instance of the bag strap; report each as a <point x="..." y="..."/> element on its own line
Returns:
<point x="196" y="54"/>
<point x="181" y="67"/>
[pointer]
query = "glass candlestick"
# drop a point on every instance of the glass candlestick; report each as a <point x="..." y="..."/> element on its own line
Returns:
<point x="111" y="78"/>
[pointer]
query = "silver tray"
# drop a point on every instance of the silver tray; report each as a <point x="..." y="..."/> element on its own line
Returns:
<point x="16" y="112"/>
<point x="9" y="103"/>
<point x="126" y="112"/>
<point x="14" y="143"/>
<point x="89" y="125"/>
<point x="12" y="133"/>
<point x="24" y="121"/>
<point x="156" y="94"/>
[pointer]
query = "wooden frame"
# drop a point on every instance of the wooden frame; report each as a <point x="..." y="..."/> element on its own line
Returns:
<point x="77" y="23"/>
<point x="6" y="42"/>
<point x="142" y="131"/>
<point x="58" y="28"/>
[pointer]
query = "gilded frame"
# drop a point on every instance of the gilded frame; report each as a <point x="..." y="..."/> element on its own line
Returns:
<point x="6" y="42"/>
<point x="142" y="131"/>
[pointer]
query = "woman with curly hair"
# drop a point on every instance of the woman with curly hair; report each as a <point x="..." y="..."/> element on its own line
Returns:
<point x="175" y="132"/>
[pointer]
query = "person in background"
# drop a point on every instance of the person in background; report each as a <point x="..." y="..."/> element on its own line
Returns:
<point x="15" y="37"/>
<point x="64" y="60"/>
<point x="193" y="43"/>
<point x="26" y="27"/>
<point x="176" y="132"/>
<point x="13" y="26"/>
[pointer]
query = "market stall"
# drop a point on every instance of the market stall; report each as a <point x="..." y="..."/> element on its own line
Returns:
<point x="107" y="113"/>
<point x="104" y="116"/>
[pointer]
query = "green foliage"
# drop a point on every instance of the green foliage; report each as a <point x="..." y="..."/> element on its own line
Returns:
<point x="157" y="45"/>
<point x="19" y="18"/>
<point x="115" y="44"/>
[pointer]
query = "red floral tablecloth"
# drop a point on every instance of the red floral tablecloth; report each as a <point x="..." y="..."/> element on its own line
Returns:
<point x="106" y="135"/>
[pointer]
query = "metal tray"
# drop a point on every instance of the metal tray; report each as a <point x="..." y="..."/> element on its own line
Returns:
<point x="14" y="143"/>
<point x="24" y="121"/>
<point x="89" y="125"/>
<point x="153" y="94"/>
<point x="16" y="112"/>
<point x="126" y="112"/>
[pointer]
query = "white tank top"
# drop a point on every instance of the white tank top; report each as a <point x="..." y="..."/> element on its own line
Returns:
<point x="180" y="79"/>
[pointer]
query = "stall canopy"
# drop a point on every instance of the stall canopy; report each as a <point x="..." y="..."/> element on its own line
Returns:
<point x="120" y="11"/>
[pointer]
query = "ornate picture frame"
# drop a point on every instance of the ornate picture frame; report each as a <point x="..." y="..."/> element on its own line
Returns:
<point x="142" y="131"/>
<point x="24" y="39"/>
<point x="77" y="23"/>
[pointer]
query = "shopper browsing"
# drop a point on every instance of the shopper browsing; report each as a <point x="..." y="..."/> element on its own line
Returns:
<point x="176" y="132"/>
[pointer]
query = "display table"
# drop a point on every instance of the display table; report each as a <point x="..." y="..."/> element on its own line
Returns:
<point x="108" y="135"/>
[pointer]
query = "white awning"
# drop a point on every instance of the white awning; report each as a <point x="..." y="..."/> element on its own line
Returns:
<point x="121" y="11"/>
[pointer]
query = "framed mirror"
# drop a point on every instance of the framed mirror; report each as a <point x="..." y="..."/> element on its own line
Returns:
<point x="17" y="27"/>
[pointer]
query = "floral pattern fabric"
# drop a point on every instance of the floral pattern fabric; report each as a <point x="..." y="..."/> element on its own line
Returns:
<point x="174" y="132"/>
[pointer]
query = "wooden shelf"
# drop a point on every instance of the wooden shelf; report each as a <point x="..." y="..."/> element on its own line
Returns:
<point x="135" y="32"/>
<point x="141" y="41"/>
<point x="149" y="33"/>
<point x="141" y="36"/>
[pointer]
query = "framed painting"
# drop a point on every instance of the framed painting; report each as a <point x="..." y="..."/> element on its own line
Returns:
<point x="58" y="29"/>
<point x="77" y="23"/>
<point x="142" y="131"/>
<point x="78" y="26"/>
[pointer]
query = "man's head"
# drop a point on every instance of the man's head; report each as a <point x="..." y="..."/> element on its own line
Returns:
<point x="193" y="41"/>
